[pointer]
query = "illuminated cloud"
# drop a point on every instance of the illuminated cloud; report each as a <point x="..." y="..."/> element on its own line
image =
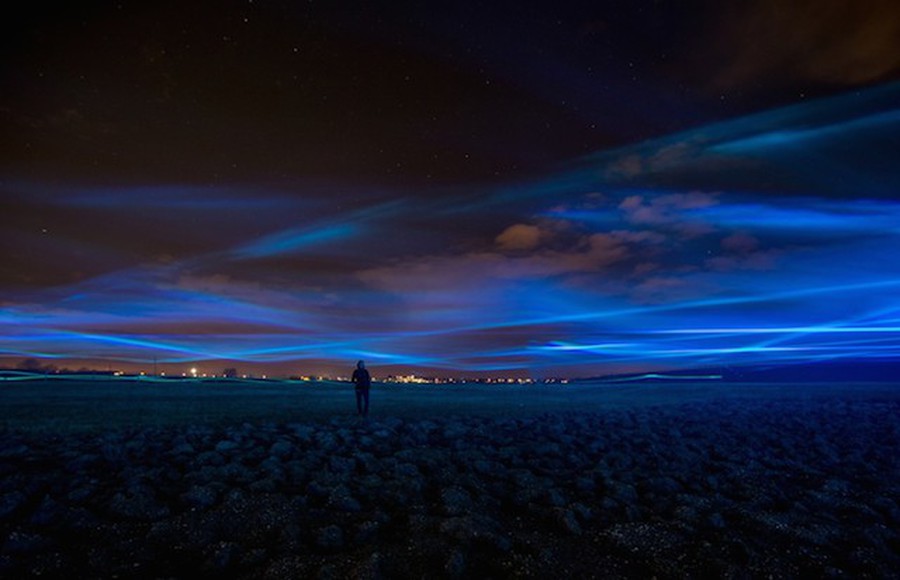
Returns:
<point x="776" y="152"/>
<point x="669" y="211"/>
<point x="519" y="237"/>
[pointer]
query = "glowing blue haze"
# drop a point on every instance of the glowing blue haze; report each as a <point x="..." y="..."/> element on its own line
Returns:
<point x="767" y="239"/>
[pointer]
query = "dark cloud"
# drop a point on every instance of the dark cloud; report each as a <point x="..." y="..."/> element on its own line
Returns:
<point x="804" y="43"/>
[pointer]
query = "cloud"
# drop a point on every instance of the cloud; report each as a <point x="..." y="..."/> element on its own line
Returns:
<point x="667" y="157"/>
<point x="670" y="211"/>
<point x="741" y="251"/>
<point x="589" y="253"/>
<point x="740" y="243"/>
<point x="662" y="290"/>
<point x="825" y="41"/>
<point x="519" y="237"/>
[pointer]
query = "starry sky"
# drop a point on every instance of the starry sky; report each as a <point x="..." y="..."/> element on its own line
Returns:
<point x="468" y="188"/>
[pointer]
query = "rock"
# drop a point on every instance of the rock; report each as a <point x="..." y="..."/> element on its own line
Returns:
<point x="254" y="557"/>
<point x="664" y="486"/>
<point x="632" y="513"/>
<point x="685" y="514"/>
<point x="716" y="521"/>
<point x="281" y="449"/>
<point x="226" y="446"/>
<point x="330" y="538"/>
<point x="341" y="465"/>
<point x="624" y="493"/>
<point x="318" y="490"/>
<point x="366" y="461"/>
<point x="272" y="464"/>
<point x="287" y="567"/>
<point x="834" y="486"/>
<point x="584" y="513"/>
<point x="302" y="432"/>
<point x="368" y="569"/>
<point x="342" y="500"/>
<point x="554" y="497"/>
<point x="325" y="440"/>
<point x="456" y="501"/>
<point x="210" y="458"/>
<point x="112" y="451"/>
<point x="23" y="543"/>
<point x="406" y="471"/>
<point x="547" y="449"/>
<point x="11" y="502"/>
<point x="567" y="522"/>
<point x="137" y="503"/>
<point x="455" y="567"/>
<point x="367" y="531"/>
<point x="184" y="448"/>
<point x="225" y="556"/>
<point x="586" y="485"/>
<point x="82" y="462"/>
<point x="14" y="450"/>
<point x="484" y="467"/>
<point x="265" y="485"/>
<point x="237" y="472"/>
<point x="49" y="512"/>
<point x="200" y="497"/>
<point x="469" y="528"/>
<point x="80" y="520"/>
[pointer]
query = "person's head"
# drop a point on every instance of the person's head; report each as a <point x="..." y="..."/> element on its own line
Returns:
<point x="360" y="365"/>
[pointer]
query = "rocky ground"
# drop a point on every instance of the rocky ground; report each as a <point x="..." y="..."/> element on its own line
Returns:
<point x="728" y="489"/>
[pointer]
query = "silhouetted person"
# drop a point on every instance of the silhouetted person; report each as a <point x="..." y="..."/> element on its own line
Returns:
<point x="362" y="381"/>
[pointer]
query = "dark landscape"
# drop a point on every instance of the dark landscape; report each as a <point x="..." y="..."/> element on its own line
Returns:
<point x="623" y="278"/>
<point x="279" y="480"/>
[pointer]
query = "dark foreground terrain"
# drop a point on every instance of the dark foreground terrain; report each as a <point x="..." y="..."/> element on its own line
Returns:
<point x="722" y="487"/>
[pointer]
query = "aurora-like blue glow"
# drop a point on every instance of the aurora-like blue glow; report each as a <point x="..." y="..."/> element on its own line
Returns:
<point x="761" y="240"/>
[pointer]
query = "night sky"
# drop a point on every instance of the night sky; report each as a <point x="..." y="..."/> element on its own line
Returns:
<point x="529" y="189"/>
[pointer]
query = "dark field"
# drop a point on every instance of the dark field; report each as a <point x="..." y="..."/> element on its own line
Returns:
<point x="280" y="480"/>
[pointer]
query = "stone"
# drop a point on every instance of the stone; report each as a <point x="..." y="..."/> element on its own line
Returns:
<point x="554" y="497"/>
<point x="14" y="450"/>
<point x="407" y="471"/>
<point x="200" y="497"/>
<point x="342" y="500"/>
<point x="24" y="543"/>
<point x="226" y="445"/>
<point x="330" y="538"/>
<point x="47" y="513"/>
<point x="567" y="522"/>
<point x="716" y="521"/>
<point x="455" y="567"/>
<point x="137" y="504"/>
<point x="226" y="555"/>
<point x="341" y="465"/>
<point x="456" y="501"/>
<point x="367" y="531"/>
<point x="281" y="449"/>
<point x="210" y="458"/>
<point x="11" y="502"/>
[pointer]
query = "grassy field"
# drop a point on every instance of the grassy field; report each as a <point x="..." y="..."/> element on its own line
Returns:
<point x="87" y="404"/>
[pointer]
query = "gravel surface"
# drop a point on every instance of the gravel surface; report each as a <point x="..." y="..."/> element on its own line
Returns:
<point x="729" y="488"/>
